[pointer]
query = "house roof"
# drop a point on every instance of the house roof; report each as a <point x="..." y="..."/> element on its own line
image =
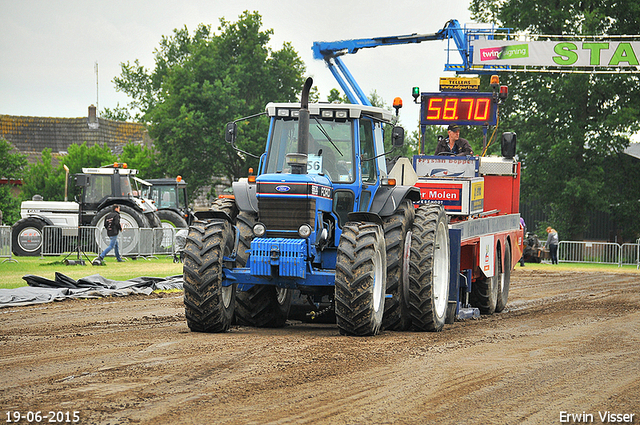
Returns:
<point x="30" y="135"/>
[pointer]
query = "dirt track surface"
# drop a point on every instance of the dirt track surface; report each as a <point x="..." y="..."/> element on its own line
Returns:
<point x="567" y="342"/>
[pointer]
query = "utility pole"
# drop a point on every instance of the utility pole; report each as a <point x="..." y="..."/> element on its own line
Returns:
<point x="97" y="104"/>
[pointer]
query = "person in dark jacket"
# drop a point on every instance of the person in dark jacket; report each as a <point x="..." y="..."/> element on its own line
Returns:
<point x="113" y="226"/>
<point x="453" y="145"/>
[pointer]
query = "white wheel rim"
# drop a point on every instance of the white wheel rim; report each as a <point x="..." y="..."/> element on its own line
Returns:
<point x="226" y="291"/>
<point x="281" y="295"/>
<point x="168" y="230"/>
<point x="127" y="239"/>
<point x="440" y="270"/>
<point x="377" y="280"/>
<point x="30" y="239"/>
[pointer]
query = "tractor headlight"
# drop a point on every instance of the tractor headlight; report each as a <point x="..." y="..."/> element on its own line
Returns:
<point x="259" y="230"/>
<point x="304" y="231"/>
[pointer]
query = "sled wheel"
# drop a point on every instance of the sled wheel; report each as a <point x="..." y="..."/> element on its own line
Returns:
<point x="505" y="278"/>
<point x="484" y="292"/>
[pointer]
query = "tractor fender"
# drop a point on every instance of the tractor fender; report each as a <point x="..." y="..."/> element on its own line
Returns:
<point x="212" y="214"/>
<point x="364" y="216"/>
<point x="388" y="198"/>
<point x="120" y="201"/>
<point x="46" y="220"/>
<point x="245" y="195"/>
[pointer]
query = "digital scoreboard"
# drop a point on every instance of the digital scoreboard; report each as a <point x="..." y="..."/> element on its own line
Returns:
<point x="462" y="108"/>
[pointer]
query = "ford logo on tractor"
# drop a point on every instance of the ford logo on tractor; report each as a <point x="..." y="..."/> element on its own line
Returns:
<point x="283" y="188"/>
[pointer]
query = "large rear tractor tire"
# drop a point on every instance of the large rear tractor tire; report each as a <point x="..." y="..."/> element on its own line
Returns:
<point x="397" y="236"/>
<point x="171" y="222"/>
<point x="504" y="281"/>
<point x="172" y="218"/>
<point x="158" y="234"/>
<point x="128" y="241"/>
<point x="360" y="281"/>
<point x="208" y="304"/>
<point x="484" y="292"/>
<point x="429" y="269"/>
<point x="259" y="306"/>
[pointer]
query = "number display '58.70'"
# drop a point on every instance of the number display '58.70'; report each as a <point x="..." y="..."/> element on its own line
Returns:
<point x="462" y="108"/>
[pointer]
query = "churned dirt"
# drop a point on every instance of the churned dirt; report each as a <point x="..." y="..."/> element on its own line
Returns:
<point x="567" y="344"/>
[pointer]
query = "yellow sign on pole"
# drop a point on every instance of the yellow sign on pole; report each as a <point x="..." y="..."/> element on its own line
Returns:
<point x="459" y="84"/>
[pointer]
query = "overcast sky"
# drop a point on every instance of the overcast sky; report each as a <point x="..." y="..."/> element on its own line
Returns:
<point x="48" y="49"/>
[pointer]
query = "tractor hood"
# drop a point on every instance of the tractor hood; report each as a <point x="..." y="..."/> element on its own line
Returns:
<point x="290" y="186"/>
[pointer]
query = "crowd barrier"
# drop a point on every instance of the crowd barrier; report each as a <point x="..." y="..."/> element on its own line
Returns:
<point x="132" y="242"/>
<point x="5" y="244"/>
<point x="147" y="243"/>
<point x="599" y="253"/>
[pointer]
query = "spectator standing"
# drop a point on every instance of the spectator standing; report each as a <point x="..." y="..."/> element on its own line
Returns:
<point x="113" y="226"/>
<point x="524" y="235"/>
<point x="552" y="244"/>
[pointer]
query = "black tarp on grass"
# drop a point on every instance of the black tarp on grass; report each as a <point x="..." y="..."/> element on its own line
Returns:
<point x="43" y="290"/>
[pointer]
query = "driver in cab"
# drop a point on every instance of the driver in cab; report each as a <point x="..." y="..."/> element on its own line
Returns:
<point x="453" y="145"/>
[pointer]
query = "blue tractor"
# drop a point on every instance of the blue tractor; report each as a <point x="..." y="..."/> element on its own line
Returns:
<point x="322" y="218"/>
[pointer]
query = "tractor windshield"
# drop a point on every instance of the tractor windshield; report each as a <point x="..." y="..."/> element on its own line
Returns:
<point x="125" y="186"/>
<point x="330" y="148"/>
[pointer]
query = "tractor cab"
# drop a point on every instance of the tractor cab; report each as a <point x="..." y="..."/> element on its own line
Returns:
<point x="310" y="194"/>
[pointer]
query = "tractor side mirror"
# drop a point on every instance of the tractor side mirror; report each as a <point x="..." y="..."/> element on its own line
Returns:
<point x="82" y="180"/>
<point x="230" y="133"/>
<point x="397" y="137"/>
<point x="509" y="145"/>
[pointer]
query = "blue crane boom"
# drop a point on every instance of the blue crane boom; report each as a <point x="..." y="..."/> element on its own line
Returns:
<point x="332" y="51"/>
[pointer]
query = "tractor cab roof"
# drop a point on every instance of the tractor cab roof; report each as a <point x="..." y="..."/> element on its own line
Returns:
<point x="329" y="110"/>
<point x="121" y="171"/>
<point x="166" y="182"/>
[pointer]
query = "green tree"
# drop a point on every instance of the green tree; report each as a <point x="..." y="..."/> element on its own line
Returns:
<point x="569" y="126"/>
<point x="119" y="113"/>
<point x="11" y="167"/>
<point x="336" y="97"/>
<point x="201" y="82"/>
<point x="144" y="159"/>
<point x="42" y="178"/>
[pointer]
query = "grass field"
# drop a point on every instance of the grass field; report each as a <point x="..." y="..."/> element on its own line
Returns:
<point x="11" y="272"/>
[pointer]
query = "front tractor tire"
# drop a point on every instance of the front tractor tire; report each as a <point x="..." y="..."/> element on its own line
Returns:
<point x="429" y="269"/>
<point x="361" y="279"/>
<point x="209" y="306"/>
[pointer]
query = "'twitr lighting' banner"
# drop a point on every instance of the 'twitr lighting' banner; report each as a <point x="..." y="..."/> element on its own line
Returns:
<point x="556" y="53"/>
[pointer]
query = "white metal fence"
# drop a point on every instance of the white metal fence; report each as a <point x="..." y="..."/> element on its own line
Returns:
<point x="132" y="242"/>
<point x="600" y="253"/>
<point x="5" y="244"/>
